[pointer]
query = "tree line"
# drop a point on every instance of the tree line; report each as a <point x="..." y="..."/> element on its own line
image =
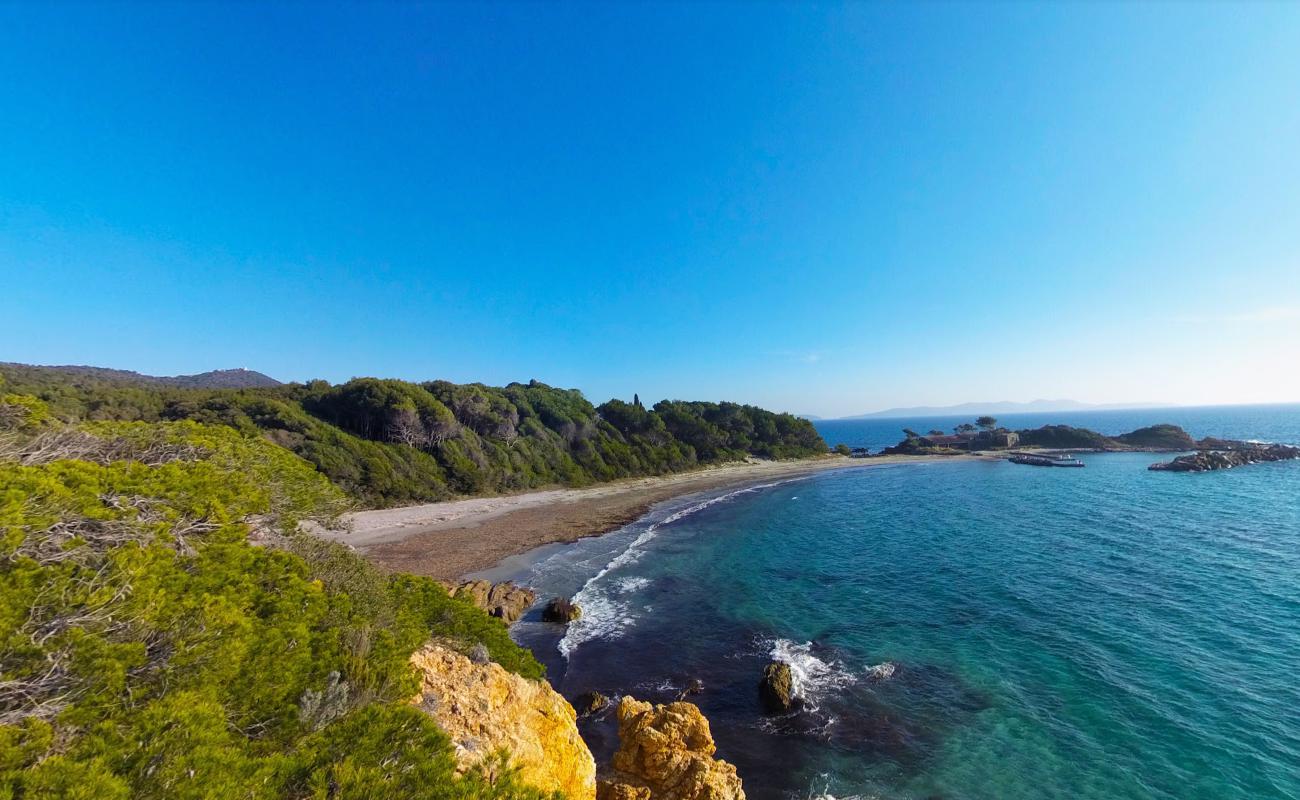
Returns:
<point x="390" y="442"/>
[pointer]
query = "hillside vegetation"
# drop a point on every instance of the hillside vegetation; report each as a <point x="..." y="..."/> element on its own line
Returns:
<point x="215" y="379"/>
<point x="390" y="442"/>
<point x="149" y="649"/>
<point x="1153" y="437"/>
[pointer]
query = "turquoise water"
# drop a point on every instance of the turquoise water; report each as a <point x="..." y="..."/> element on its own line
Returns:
<point x="1099" y="633"/>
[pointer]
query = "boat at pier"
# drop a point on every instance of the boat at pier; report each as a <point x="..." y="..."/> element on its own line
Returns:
<point x="1042" y="460"/>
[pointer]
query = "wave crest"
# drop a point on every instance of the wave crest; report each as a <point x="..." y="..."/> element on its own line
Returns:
<point x="605" y="616"/>
<point x="813" y="678"/>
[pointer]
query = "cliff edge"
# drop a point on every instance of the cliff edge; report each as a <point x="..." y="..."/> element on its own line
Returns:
<point x="486" y="709"/>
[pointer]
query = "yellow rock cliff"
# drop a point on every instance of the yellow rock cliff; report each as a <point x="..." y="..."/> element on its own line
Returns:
<point x="484" y="709"/>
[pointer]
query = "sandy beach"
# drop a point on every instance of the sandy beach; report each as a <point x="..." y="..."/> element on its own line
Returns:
<point x="454" y="538"/>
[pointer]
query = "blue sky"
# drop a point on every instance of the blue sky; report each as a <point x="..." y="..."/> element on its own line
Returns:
<point x="826" y="209"/>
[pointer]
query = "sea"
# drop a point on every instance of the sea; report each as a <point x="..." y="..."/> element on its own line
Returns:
<point x="963" y="629"/>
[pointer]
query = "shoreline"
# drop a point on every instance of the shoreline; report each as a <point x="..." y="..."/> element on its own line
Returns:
<point x="455" y="538"/>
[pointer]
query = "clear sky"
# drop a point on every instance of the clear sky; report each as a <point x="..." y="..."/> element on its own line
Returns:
<point x="822" y="209"/>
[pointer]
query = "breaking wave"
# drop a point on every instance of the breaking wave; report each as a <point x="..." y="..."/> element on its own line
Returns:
<point x="604" y="613"/>
<point x="813" y="678"/>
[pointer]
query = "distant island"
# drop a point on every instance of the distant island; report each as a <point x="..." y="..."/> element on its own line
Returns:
<point x="984" y="435"/>
<point x="999" y="407"/>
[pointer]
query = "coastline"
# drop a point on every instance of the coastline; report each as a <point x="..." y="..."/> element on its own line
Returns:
<point x="452" y="539"/>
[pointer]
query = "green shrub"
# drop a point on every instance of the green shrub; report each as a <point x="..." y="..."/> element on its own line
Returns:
<point x="149" y="650"/>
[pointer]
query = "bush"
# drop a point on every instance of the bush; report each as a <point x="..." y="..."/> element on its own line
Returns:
<point x="149" y="650"/>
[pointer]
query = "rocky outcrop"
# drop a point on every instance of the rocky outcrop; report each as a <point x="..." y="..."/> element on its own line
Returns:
<point x="590" y="703"/>
<point x="561" y="610"/>
<point x="484" y="708"/>
<point x="1157" y="437"/>
<point x="777" y="687"/>
<point x="666" y="753"/>
<point x="1206" y="460"/>
<point x="506" y="600"/>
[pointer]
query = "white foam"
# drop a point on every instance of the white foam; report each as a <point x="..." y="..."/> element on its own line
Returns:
<point x="882" y="672"/>
<point x="812" y="677"/>
<point x="606" y="617"/>
<point x="823" y="793"/>
<point x="632" y="584"/>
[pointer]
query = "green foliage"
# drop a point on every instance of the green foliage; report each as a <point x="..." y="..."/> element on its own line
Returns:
<point x="389" y="442"/>
<point x="22" y="413"/>
<point x="1166" y="437"/>
<point x="149" y="650"/>
<point x="843" y="449"/>
<point x="1064" y="436"/>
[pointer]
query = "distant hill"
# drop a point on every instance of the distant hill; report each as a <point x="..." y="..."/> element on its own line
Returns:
<point x="216" y="379"/>
<point x="1000" y="407"/>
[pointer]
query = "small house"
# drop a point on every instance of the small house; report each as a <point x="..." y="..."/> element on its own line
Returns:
<point x="952" y="442"/>
<point x="993" y="440"/>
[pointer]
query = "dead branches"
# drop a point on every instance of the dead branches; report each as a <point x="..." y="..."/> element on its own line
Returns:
<point x="72" y="443"/>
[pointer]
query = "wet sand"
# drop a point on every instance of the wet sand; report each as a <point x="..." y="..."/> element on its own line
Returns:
<point x="451" y="539"/>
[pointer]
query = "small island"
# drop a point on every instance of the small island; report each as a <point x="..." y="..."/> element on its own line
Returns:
<point x="986" y="435"/>
<point x="1047" y="444"/>
<point x="1226" y="454"/>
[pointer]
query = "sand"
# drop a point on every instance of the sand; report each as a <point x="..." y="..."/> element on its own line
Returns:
<point x="451" y="539"/>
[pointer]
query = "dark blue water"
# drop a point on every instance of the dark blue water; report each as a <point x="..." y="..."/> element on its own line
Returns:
<point x="1267" y="422"/>
<point x="965" y="629"/>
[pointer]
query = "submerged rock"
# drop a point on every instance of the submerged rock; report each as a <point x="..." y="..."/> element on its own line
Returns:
<point x="882" y="672"/>
<point x="666" y="753"/>
<point x="484" y="708"/>
<point x="590" y="703"/>
<point x="777" y="687"/>
<point x="693" y="686"/>
<point x="561" y="610"/>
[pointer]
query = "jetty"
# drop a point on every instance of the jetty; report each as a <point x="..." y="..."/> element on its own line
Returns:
<point x="1046" y="459"/>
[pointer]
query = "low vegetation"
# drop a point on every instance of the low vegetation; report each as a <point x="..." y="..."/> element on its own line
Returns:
<point x="1064" y="436"/>
<point x="390" y="442"/>
<point x="166" y="633"/>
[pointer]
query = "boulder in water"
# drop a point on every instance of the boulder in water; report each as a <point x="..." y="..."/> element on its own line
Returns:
<point x="666" y="753"/>
<point x="882" y="672"/>
<point x="777" y="687"/>
<point x="561" y="610"/>
<point x="590" y="703"/>
<point x="693" y="686"/>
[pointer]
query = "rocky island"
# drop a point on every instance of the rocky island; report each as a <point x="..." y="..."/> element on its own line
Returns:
<point x="1230" y="454"/>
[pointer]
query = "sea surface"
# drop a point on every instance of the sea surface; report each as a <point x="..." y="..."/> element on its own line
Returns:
<point x="964" y="629"/>
<point x="1266" y="422"/>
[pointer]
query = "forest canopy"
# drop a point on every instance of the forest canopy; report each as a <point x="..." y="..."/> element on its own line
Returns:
<point x="392" y="442"/>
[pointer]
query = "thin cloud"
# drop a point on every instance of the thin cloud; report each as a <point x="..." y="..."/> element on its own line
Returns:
<point x="1255" y="316"/>
<point x="802" y="356"/>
